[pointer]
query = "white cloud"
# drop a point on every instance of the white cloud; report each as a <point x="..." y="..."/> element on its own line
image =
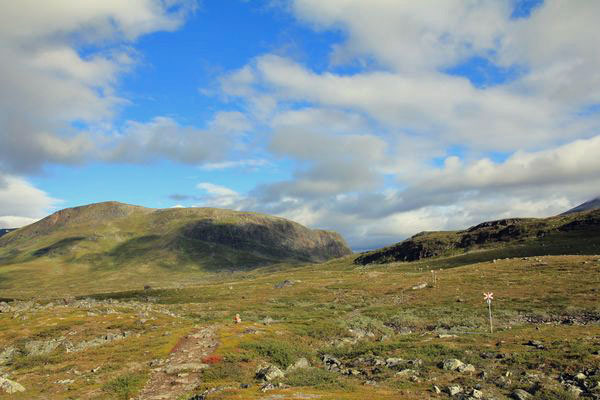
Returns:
<point x="218" y="196"/>
<point x="401" y="113"/>
<point x="47" y="84"/>
<point x="21" y="203"/>
<point x="246" y="164"/>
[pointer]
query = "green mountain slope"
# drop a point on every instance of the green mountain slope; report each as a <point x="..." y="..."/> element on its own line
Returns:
<point x="109" y="237"/>
<point x="575" y="233"/>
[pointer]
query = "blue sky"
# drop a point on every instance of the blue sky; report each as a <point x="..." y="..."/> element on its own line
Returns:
<point x="377" y="119"/>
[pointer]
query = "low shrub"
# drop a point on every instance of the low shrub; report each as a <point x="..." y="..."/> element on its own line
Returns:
<point x="124" y="387"/>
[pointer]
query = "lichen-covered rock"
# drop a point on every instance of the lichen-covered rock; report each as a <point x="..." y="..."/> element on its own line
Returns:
<point x="42" y="347"/>
<point x="269" y="373"/>
<point x="10" y="387"/>
<point x="452" y="364"/>
<point x="520" y="394"/>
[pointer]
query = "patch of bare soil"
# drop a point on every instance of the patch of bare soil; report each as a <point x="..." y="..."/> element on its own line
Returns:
<point x="180" y="373"/>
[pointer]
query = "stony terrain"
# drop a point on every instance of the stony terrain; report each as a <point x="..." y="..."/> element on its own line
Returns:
<point x="326" y="331"/>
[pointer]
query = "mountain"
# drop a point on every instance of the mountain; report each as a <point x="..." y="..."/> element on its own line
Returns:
<point x="575" y="233"/>
<point x="593" y="204"/>
<point x="114" y="235"/>
<point x="4" y="231"/>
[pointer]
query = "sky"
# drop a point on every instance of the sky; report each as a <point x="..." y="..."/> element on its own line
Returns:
<point x="378" y="119"/>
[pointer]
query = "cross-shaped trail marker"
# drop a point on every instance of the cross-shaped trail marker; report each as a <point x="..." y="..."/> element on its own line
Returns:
<point x="488" y="297"/>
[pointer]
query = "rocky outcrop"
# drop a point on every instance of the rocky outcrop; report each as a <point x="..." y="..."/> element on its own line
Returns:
<point x="492" y="234"/>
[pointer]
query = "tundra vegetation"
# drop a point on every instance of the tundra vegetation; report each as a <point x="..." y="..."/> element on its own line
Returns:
<point x="330" y="330"/>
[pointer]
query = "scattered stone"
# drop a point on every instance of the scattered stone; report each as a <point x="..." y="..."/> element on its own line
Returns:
<point x="573" y="390"/>
<point x="65" y="381"/>
<point x="7" y="354"/>
<point x="394" y="362"/>
<point x="503" y="382"/>
<point x="476" y="394"/>
<point x="406" y="373"/>
<point x="466" y="368"/>
<point x="446" y="336"/>
<point x="536" y="343"/>
<point x="244" y="386"/>
<point x="453" y="390"/>
<point x="580" y="377"/>
<point x="284" y="284"/>
<point x="331" y="363"/>
<point x="267" y="320"/>
<point x="99" y="341"/>
<point x="419" y="286"/>
<point x="266" y="387"/>
<point x="9" y="386"/>
<point x="436" y="389"/>
<point x="42" y="347"/>
<point x="454" y="364"/>
<point x="520" y="394"/>
<point x="269" y="373"/>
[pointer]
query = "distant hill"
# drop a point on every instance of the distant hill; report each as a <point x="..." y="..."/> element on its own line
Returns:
<point x="573" y="233"/>
<point x="593" y="204"/>
<point x="4" y="231"/>
<point x="113" y="235"/>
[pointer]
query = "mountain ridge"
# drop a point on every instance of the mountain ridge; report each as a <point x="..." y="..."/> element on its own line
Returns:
<point x="113" y="233"/>
<point x="538" y="235"/>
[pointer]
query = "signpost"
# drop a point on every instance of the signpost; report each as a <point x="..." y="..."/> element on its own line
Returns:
<point x="488" y="297"/>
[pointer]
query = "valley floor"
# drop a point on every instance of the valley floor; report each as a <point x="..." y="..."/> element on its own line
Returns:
<point x="327" y="331"/>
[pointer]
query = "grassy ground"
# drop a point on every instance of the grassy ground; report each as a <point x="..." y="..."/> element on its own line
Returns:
<point x="553" y="300"/>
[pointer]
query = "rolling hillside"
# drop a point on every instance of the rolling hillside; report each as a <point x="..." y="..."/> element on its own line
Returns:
<point x="573" y="233"/>
<point x="143" y="243"/>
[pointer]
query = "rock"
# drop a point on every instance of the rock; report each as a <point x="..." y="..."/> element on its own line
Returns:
<point x="419" y="286"/>
<point x="573" y="390"/>
<point x="476" y="394"/>
<point x="284" y="284"/>
<point x="435" y="389"/>
<point x="10" y="387"/>
<point x="266" y="387"/>
<point x="520" y="394"/>
<point x="453" y="390"/>
<point x="331" y="363"/>
<point x="452" y="364"/>
<point x="179" y="368"/>
<point x="406" y="373"/>
<point x="65" y="381"/>
<point x="267" y="320"/>
<point x="503" y="382"/>
<point x="394" y="362"/>
<point x="269" y="373"/>
<point x="7" y="354"/>
<point x="99" y="341"/>
<point x="445" y="336"/>
<point x="466" y="368"/>
<point x="536" y="343"/>
<point x="580" y="377"/>
<point x="42" y="347"/>
<point x="299" y="364"/>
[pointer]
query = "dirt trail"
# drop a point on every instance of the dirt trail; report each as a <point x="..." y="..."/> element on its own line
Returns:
<point x="180" y="373"/>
